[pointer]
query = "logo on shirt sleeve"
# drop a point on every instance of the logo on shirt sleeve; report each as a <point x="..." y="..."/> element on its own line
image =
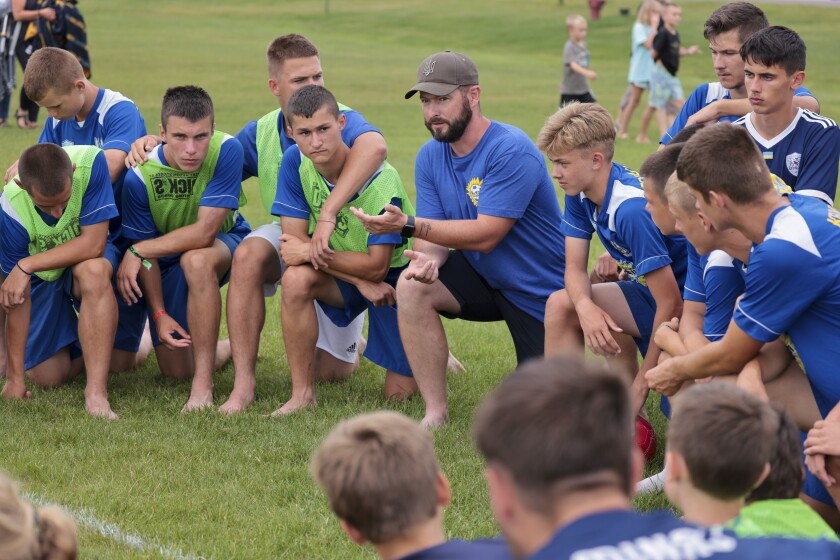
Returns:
<point x="474" y="189"/>
<point x="792" y="163"/>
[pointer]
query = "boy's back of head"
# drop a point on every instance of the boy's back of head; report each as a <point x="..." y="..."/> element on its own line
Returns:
<point x="725" y="159"/>
<point x="379" y="473"/>
<point x="45" y="168"/>
<point x="776" y="46"/>
<point x="659" y="166"/>
<point x="578" y="126"/>
<point x="51" y="69"/>
<point x="786" y="473"/>
<point x="726" y="437"/>
<point x="558" y="426"/>
<point x="745" y="17"/>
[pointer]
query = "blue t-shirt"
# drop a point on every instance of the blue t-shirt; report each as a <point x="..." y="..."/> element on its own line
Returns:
<point x="221" y="192"/>
<point x="793" y="287"/>
<point x="504" y="176"/>
<point x="114" y="122"/>
<point x="627" y="535"/>
<point x="706" y="94"/>
<point x="626" y="228"/>
<point x="355" y="126"/>
<point x="291" y="200"/>
<point x="805" y="155"/>
<point x="485" y="549"/>
<point x="716" y="280"/>
<point x="97" y="206"/>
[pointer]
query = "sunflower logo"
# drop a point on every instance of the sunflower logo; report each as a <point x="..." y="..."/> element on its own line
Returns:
<point x="473" y="190"/>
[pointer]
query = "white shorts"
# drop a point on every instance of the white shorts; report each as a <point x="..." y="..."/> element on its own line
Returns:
<point x="341" y="342"/>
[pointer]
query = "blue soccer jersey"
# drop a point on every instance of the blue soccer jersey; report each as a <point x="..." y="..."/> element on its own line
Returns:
<point x="704" y="95"/>
<point x="97" y="206"/>
<point x="805" y="155"/>
<point x="626" y="228"/>
<point x="504" y="176"/>
<point x="793" y="287"/>
<point x="486" y="549"/>
<point x="715" y="280"/>
<point x="221" y="192"/>
<point x="627" y="535"/>
<point x="355" y="126"/>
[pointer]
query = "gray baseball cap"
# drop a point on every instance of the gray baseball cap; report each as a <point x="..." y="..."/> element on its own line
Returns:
<point x="443" y="73"/>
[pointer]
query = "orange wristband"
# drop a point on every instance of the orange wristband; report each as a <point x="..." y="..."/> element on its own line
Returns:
<point x="158" y="315"/>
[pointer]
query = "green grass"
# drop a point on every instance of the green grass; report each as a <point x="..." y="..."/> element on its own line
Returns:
<point x="239" y="487"/>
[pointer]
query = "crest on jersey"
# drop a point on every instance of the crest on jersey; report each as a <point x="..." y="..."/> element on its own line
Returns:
<point x="429" y="67"/>
<point x="474" y="190"/>
<point x="792" y="163"/>
<point x="65" y="143"/>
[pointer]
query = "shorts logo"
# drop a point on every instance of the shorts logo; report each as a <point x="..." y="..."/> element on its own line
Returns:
<point x="792" y="163"/>
<point x="429" y="67"/>
<point x="351" y="349"/>
<point x="474" y="190"/>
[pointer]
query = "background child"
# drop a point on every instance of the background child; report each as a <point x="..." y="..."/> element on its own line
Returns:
<point x="576" y="72"/>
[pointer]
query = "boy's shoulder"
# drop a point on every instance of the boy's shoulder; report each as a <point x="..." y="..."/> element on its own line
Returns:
<point x="485" y="549"/>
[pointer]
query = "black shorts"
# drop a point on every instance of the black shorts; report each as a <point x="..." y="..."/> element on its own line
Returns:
<point x="566" y="98"/>
<point x="479" y="302"/>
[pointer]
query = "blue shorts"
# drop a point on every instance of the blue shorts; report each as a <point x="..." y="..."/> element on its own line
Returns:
<point x="384" y="347"/>
<point x="53" y="319"/>
<point x="175" y="289"/>
<point x="643" y="307"/>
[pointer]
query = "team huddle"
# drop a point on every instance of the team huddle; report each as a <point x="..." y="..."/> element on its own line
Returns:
<point x="723" y="261"/>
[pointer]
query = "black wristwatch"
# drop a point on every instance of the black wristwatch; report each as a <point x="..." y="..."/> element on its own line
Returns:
<point x="408" y="229"/>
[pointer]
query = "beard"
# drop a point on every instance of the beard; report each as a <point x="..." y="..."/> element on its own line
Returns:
<point x="456" y="128"/>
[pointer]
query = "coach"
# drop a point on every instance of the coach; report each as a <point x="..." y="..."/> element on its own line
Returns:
<point x="482" y="190"/>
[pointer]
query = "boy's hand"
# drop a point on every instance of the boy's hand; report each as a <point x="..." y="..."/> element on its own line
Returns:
<point x="421" y="268"/>
<point x="167" y="327"/>
<point x="294" y="251"/>
<point x="15" y="390"/>
<point x="664" y="378"/>
<point x="139" y="148"/>
<point x="597" y="326"/>
<point x="10" y="172"/>
<point x="13" y="289"/>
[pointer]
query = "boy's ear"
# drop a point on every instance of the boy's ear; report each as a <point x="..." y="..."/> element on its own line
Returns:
<point x="352" y="533"/>
<point x="676" y="469"/>
<point x="797" y="79"/>
<point x="80" y="85"/>
<point x="162" y="130"/>
<point x="443" y="490"/>
<point x="342" y="121"/>
<point x="273" y="87"/>
<point x="765" y="472"/>
<point x="718" y="199"/>
<point x="598" y="160"/>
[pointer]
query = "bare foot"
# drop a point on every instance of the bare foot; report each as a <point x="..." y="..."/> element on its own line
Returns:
<point x="399" y="387"/>
<point x="223" y="353"/>
<point x="100" y="407"/>
<point x="293" y="405"/>
<point x="642" y="139"/>
<point x="238" y="401"/>
<point x="453" y="365"/>
<point x="198" y="402"/>
<point x="431" y="422"/>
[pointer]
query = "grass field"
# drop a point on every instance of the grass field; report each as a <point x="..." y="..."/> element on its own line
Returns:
<point x="204" y="485"/>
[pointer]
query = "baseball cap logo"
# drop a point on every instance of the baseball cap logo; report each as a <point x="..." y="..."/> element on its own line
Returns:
<point x="429" y="67"/>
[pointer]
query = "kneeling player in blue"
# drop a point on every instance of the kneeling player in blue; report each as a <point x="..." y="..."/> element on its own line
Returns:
<point x="181" y="207"/>
<point x="607" y="198"/>
<point x="557" y="440"/>
<point x="793" y="234"/>
<point x="364" y="268"/>
<point x="56" y="252"/>
<point x="400" y="514"/>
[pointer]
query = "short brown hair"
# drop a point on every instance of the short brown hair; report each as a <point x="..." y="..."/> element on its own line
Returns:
<point x="725" y="159"/>
<point x="48" y="69"/>
<point x="44" y="168"/>
<point x="379" y="473"/>
<point x="677" y="194"/>
<point x="659" y="166"/>
<point x="285" y="47"/>
<point x="578" y="126"/>
<point x="725" y="435"/>
<point x="27" y="533"/>
<point x="747" y="18"/>
<point x="786" y="474"/>
<point x="189" y="102"/>
<point x="556" y="426"/>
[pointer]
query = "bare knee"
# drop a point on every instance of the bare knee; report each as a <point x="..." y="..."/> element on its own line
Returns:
<point x="175" y="364"/>
<point x="94" y="277"/>
<point x="328" y="368"/>
<point x="399" y="387"/>
<point x="559" y="310"/>
<point x="253" y="261"/>
<point x="411" y="293"/>
<point x="298" y="283"/>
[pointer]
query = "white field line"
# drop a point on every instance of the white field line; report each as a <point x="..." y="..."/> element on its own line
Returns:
<point x="86" y="518"/>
